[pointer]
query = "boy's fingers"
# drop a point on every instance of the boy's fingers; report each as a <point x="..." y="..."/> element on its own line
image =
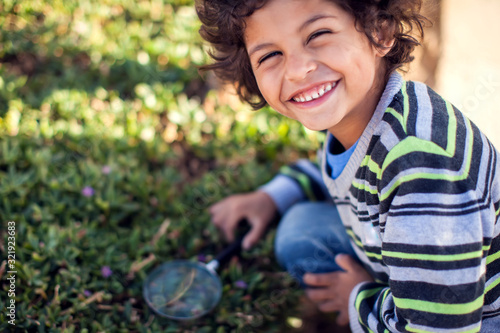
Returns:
<point x="317" y="295"/>
<point x="213" y="209"/>
<point x="217" y="217"/>
<point x="253" y="235"/>
<point x="217" y="220"/>
<point x="329" y="306"/>
<point x="350" y="265"/>
<point x="343" y="318"/>
<point x="320" y="279"/>
<point x="346" y="262"/>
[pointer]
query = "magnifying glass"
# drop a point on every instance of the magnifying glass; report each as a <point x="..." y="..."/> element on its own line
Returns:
<point x="183" y="289"/>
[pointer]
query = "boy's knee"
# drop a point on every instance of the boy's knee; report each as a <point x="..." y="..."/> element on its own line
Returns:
<point x="301" y="244"/>
<point x="299" y="218"/>
<point x="290" y="233"/>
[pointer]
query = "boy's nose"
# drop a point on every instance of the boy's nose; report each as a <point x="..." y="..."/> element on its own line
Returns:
<point x="298" y="66"/>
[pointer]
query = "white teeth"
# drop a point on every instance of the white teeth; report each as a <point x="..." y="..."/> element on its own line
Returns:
<point x="315" y="94"/>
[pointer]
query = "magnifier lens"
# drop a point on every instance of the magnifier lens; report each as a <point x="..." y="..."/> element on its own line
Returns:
<point x="182" y="290"/>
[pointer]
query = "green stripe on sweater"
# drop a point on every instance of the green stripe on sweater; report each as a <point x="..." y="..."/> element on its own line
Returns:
<point x="413" y="144"/>
<point x="492" y="257"/>
<point x="417" y="330"/>
<point x="433" y="257"/>
<point x="360" y="245"/>
<point x="406" y="106"/>
<point x="492" y="285"/>
<point x="304" y="181"/>
<point x="372" y="166"/>
<point x="362" y="295"/>
<point x="440" y="308"/>
<point x="396" y="115"/>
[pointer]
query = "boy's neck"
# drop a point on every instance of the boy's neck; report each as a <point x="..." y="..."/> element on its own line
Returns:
<point x="353" y="127"/>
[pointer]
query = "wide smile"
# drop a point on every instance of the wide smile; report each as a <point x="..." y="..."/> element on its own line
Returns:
<point x="314" y="94"/>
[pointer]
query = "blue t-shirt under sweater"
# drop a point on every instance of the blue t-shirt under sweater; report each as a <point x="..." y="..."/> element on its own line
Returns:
<point x="337" y="162"/>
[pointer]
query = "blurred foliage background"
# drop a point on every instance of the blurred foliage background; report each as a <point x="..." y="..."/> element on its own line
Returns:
<point x="112" y="146"/>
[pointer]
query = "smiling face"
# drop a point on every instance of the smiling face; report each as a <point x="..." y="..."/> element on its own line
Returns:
<point x="312" y="65"/>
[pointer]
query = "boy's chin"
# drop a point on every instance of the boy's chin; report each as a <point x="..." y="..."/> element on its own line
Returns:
<point x="315" y="128"/>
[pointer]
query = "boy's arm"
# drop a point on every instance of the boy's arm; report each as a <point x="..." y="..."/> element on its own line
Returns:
<point x="297" y="182"/>
<point x="436" y="276"/>
<point x="435" y="229"/>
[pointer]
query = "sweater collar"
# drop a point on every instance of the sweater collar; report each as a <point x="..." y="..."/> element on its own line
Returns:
<point x="339" y="187"/>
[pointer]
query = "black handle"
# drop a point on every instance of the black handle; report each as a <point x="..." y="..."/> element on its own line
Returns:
<point x="235" y="247"/>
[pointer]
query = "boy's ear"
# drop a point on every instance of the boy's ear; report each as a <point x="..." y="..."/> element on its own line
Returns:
<point x="384" y="35"/>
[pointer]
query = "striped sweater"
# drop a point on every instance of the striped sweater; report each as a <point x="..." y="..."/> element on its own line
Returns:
<point x="420" y="198"/>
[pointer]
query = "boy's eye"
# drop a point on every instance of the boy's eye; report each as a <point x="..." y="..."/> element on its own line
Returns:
<point x="267" y="56"/>
<point x="317" y="34"/>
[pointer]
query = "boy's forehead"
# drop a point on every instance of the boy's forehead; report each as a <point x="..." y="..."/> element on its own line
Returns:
<point x="286" y="3"/>
<point x="294" y="14"/>
<point x="291" y="10"/>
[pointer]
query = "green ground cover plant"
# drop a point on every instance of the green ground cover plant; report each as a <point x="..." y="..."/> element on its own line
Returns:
<point x="111" y="148"/>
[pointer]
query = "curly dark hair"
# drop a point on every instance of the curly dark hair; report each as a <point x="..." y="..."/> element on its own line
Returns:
<point x="223" y="26"/>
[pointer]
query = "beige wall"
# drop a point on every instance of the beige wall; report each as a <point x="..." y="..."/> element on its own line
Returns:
<point x="468" y="74"/>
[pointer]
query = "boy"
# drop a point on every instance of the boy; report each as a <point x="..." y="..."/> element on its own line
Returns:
<point x="410" y="243"/>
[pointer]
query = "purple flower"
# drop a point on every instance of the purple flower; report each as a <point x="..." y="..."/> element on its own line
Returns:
<point x="106" y="271"/>
<point x="88" y="191"/>
<point x="241" y="284"/>
<point x="87" y="293"/>
<point x="153" y="201"/>
<point x="202" y="257"/>
<point x="106" y="169"/>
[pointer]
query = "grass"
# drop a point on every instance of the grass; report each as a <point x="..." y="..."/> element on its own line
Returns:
<point x="111" y="148"/>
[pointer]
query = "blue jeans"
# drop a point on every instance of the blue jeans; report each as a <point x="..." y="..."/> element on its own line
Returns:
<point x="308" y="238"/>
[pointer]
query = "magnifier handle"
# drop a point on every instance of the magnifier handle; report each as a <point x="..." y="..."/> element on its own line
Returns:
<point x="233" y="249"/>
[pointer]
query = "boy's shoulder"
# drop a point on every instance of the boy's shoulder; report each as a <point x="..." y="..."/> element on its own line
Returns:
<point x="417" y="113"/>
<point x="420" y="130"/>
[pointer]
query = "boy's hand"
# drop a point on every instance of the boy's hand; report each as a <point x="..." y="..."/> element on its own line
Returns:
<point x="333" y="289"/>
<point x="257" y="207"/>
